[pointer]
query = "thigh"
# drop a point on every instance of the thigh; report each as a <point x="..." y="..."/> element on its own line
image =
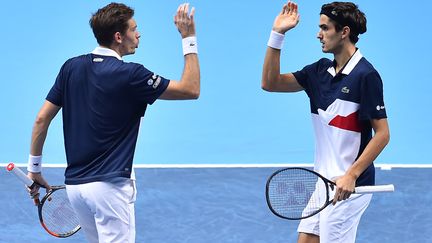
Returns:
<point x="310" y="225"/>
<point x="106" y="209"/>
<point x="113" y="206"/>
<point x="84" y="213"/>
<point x="308" y="238"/>
<point x="339" y="223"/>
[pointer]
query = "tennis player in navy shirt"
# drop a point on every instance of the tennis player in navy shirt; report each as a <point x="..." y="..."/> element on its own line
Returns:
<point x="102" y="99"/>
<point x="347" y="109"/>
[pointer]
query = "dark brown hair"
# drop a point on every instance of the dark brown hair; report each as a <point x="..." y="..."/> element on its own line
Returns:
<point x="346" y="14"/>
<point x="108" y="20"/>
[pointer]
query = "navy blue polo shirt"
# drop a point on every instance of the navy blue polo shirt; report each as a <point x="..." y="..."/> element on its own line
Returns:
<point x="103" y="99"/>
<point x="342" y="106"/>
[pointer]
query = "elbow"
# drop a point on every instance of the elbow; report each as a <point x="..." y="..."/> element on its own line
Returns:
<point x="386" y="137"/>
<point x="194" y="95"/>
<point x="41" y="120"/>
<point x="266" y="86"/>
<point x="195" y="91"/>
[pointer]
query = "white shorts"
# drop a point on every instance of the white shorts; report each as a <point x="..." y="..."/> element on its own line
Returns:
<point x="337" y="223"/>
<point x="105" y="209"/>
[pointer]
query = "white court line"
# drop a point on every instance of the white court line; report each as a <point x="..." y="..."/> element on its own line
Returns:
<point x="191" y="166"/>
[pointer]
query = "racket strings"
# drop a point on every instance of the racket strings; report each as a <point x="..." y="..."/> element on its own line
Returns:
<point x="58" y="215"/>
<point x="296" y="193"/>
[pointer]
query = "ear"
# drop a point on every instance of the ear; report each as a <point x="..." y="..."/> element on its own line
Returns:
<point x="346" y="32"/>
<point x="118" y="38"/>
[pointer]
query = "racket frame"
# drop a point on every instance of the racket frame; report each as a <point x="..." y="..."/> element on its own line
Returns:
<point x="41" y="220"/>
<point x="329" y="184"/>
<point x="31" y="184"/>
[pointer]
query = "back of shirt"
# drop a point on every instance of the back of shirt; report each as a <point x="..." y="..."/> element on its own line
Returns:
<point x="102" y="100"/>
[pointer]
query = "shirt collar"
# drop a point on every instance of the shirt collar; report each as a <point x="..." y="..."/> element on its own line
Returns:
<point x="349" y="66"/>
<point x="103" y="51"/>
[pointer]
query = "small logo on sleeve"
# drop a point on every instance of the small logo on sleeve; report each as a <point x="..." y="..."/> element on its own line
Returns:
<point x="345" y="90"/>
<point x="380" y="107"/>
<point x="154" y="81"/>
<point x="157" y="82"/>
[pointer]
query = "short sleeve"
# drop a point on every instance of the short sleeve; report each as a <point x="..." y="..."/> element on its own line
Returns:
<point x="305" y="76"/>
<point x="302" y="77"/>
<point x="147" y="86"/>
<point x="372" y="98"/>
<point x="55" y="95"/>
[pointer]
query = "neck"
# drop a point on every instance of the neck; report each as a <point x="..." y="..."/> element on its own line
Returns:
<point x="343" y="56"/>
<point x="115" y="48"/>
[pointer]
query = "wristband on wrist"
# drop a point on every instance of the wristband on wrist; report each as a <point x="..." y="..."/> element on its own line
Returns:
<point x="276" y="40"/>
<point x="190" y="45"/>
<point x="34" y="164"/>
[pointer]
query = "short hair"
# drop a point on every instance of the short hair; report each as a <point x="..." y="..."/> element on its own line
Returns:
<point x="346" y="14"/>
<point x="108" y="20"/>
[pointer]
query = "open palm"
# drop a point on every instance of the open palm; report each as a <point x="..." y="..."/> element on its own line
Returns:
<point x="287" y="19"/>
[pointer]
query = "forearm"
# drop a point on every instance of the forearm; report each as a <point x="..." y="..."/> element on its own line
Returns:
<point x="40" y="127"/>
<point x="39" y="133"/>
<point x="191" y="76"/>
<point x="370" y="153"/>
<point x="271" y="68"/>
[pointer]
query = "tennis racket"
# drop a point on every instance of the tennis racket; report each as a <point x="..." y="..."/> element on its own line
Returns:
<point x="55" y="211"/>
<point x="297" y="193"/>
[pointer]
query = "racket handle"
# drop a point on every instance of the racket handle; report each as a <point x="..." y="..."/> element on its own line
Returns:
<point x="20" y="175"/>
<point x="373" y="189"/>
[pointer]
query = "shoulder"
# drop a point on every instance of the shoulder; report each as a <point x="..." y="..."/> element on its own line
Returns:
<point x="317" y="67"/>
<point x="322" y="64"/>
<point x="136" y="69"/>
<point x="78" y="60"/>
<point x="366" y="67"/>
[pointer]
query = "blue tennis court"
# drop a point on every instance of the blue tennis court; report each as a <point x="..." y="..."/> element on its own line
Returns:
<point x="222" y="205"/>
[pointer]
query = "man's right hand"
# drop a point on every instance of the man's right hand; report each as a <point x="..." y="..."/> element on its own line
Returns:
<point x="38" y="178"/>
<point x="287" y="19"/>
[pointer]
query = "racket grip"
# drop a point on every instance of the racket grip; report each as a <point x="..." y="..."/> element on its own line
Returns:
<point x="20" y="174"/>
<point x="373" y="189"/>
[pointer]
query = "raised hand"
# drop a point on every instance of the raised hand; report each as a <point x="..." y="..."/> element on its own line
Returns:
<point x="185" y="21"/>
<point x="287" y="19"/>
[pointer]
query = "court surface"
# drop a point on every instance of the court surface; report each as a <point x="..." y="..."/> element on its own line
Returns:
<point x="222" y="205"/>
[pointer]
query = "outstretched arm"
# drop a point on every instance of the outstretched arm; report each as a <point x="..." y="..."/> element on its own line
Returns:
<point x="272" y="80"/>
<point x="189" y="85"/>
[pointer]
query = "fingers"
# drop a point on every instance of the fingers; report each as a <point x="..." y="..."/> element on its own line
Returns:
<point x="184" y="20"/>
<point x="183" y="12"/>
<point x="289" y="8"/>
<point x="284" y="9"/>
<point x="34" y="194"/>
<point x="341" y="195"/>
<point x="192" y="13"/>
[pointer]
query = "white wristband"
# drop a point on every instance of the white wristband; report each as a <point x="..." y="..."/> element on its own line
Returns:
<point x="190" y="45"/>
<point x="34" y="164"/>
<point x="276" y="40"/>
